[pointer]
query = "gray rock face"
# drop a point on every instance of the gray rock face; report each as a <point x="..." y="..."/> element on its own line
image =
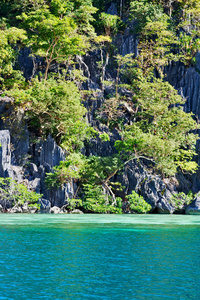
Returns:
<point x="190" y="87"/>
<point x="35" y="185"/>
<point x="58" y="196"/>
<point x="127" y="42"/>
<point x="51" y="154"/>
<point x="155" y="193"/>
<point x="5" y="154"/>
<point x="112" y="10"/>
<point x="187" y="82"/>
<point x="45" y="205"/>
<point x="29" y="65"/>
<point x="102" y="148"/>
<point x="152" y="188"/>
<point x="194" y="207"/>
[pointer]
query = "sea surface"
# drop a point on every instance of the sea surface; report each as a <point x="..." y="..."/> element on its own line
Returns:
<point x="100" y="257"/>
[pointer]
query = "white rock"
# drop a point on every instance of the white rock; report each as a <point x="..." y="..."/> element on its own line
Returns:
<point x="55" y="210"/>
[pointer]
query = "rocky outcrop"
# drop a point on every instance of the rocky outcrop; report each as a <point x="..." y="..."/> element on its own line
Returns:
<point x="152" y="188"/>
<point x="194" y="207"/>
<point x="45" y="206"/>
<point x="5" y="154"/>
<point x="49" y="154"/>
<point x="29" y="162"/>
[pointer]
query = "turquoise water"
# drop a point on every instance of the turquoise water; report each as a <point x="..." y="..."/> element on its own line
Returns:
<point x="99" y="257"/>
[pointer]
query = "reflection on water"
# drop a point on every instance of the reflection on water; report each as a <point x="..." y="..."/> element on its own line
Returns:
<point x="99" y="257"/>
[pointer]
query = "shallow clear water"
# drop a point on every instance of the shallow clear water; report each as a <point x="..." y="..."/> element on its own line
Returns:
<point x="99" y="257"/>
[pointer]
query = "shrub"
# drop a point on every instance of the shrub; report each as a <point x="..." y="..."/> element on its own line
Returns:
<point x="98" y="202"/>
<point x="17" y="193"/>
<point x="137" y="203"/>
<point x="179" y="200"/>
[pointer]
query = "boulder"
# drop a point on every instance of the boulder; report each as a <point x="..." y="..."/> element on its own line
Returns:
<point x="55" y="210"/>
<point x="15" y="209"/>
<point x="76" y="211"/>
<point x="64" y="209"/>
<point x="25" y="208"/>
<point x="33" y="210"/>
<point x="153" y="190"/>
<point x="1" y="209"/>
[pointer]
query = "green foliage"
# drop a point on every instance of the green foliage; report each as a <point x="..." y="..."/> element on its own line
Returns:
<point x="54" y="107"/>
<point x="99" y="170"/>
<point x="145" y="12"/>
<point x="17" y="193"/>
<point x="93" y="175"/>
<point x="158" y="42"/>
<point x="9" y="38"/>
<point x="98" y="202"/>
<point x="162" y="130"/>
<point x="137" y="203"/>
<point x="53" y="37"/>
<point x="188" y="26"/>
<point x="104" y="137"/>
<point x="110" y="23"/>
<point x="74" y="204"/>
<point x="180" y="200"/>
<point x="71" y="168"/>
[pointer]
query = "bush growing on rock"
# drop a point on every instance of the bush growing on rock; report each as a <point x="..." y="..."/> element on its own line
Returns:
<point x="54" y="107"/>
<point x="17" y="194"/>
<point x="181" y="200"/>
<point x="137" y="203"/>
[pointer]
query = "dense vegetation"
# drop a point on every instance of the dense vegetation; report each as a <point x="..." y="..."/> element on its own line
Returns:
<point x="158" y="130"/>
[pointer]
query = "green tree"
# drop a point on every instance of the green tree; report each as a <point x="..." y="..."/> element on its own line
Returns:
<point x="17" y="193"/>
<point x="157" y="39"/>
<point x="9" y="38"/>
<point x="52" y="37"/>
<point x="95" y="200"/>
<point x="54" y="107"/>
<point x="161" y="131"/>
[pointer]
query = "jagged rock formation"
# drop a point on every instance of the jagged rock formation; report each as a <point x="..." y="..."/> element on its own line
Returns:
<point x="152" y="188"/>
<point x="49" y="154"/>
<point x="194" y="207"/>
<point x="28" y="162"/>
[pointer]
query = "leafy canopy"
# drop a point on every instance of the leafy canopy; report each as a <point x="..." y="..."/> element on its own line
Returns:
<point x="54" y="107"/>
<point x="9" y="38"/>
<point x="161" y="131"/>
